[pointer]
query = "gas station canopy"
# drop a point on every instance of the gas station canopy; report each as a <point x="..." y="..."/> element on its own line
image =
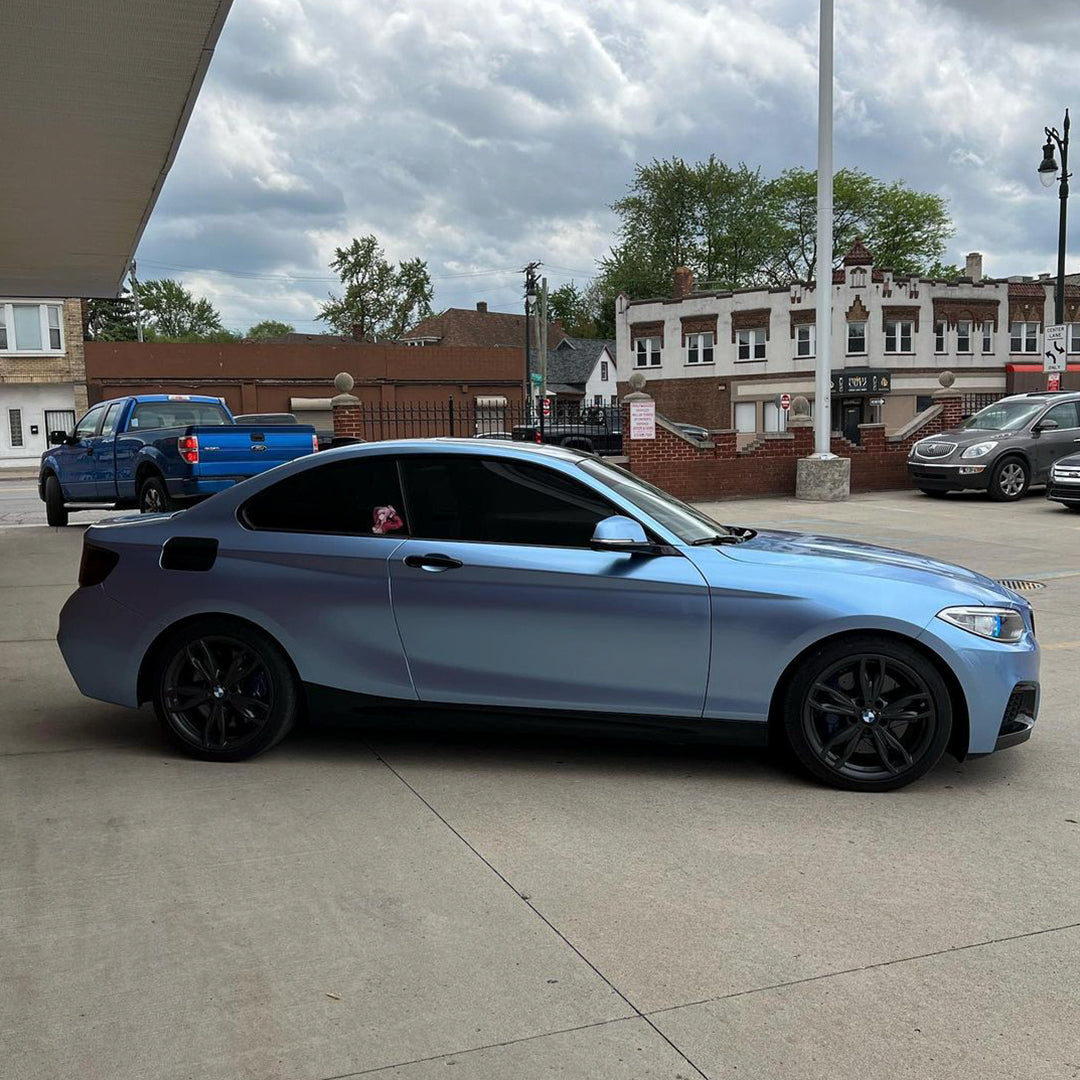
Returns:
<point x="96" y="97"/>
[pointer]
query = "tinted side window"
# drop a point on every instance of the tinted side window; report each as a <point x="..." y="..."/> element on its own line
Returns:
<point x="499" y="501"/>
<point x="359" y="497"/>
<point x="88" y="425"/>
<point x="1064" y="414"/>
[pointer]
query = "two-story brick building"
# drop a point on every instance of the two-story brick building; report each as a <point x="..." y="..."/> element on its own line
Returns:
<point x="720" y="358"/>
<point x="42" y="374"/>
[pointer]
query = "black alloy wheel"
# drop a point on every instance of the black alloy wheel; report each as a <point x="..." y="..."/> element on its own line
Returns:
<point x="1010" y="480"/>
<point x="154" y="497"/>
<point x="224" y="692"/>
<point x="868" y="715"/>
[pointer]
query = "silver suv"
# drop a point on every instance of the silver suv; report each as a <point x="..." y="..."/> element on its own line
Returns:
<point x="1003" y="449"/>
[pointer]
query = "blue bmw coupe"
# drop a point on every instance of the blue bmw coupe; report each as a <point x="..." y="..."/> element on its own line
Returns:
<point x="519" y="578"/>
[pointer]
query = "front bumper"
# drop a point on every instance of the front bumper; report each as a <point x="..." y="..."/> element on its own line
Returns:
<point x="1063" y="492"/>
<point x="974" y="476"/>
<point x="991" y="674"/>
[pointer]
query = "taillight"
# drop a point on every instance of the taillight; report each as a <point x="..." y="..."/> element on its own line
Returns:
<point x="314" y="444"/>
<point x="188" y="445"/>
<point x="96" y="565"/>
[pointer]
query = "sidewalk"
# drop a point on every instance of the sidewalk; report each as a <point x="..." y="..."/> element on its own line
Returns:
<point x="22" y="472"/>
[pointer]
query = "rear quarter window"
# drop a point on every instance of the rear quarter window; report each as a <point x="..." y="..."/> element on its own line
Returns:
<point x="358" y="497"/>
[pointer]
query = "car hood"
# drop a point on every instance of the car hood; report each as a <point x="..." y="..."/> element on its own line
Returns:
<point x="965" y="437"/>
<point x="810" y="553"/>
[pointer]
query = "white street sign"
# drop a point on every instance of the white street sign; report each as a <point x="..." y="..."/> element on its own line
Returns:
<point x="1054" y="347"/>
<point x="642" y="419"/>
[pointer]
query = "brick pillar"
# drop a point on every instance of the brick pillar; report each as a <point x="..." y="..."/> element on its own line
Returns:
<point x="953" y="411"/>
<point x="635" y="448"/>
<point x="346" y="408"/>
<point x="873" y="437"/>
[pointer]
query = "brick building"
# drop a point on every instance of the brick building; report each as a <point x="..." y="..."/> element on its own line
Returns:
<point x="42" y="374"/>
<point x="720" y="358"/>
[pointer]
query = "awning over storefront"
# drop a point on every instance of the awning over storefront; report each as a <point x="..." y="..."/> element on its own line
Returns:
<point x="97" y="94"/>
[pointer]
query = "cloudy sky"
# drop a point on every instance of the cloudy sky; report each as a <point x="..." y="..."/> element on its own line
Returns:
<point x="481" y="134"/>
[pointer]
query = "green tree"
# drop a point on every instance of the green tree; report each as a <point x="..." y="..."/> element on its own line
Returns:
<point x="575" y="308"/>
<point x="379" y="300"/>
<point x="172" y="312"/>
<point x="111" y="318"/>
<point x="269" y="328"/>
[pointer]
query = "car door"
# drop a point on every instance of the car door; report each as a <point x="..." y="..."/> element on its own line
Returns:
<point x="76" y="457"/>
<point x="103" y="454"/>
<point x="500" y="600"/>
<point x="310" y="563"/>
<point x="1050" y="444"/>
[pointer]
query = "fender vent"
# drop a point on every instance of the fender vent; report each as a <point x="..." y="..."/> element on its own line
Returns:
<point x="1021" y="585"/>
<point x="188" y="553"/>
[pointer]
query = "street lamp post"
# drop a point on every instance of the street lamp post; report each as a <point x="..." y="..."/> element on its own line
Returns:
<point x="1048" y="173"/>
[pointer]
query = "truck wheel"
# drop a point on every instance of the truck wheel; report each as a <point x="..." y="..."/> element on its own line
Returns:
<point x="154" y="497"/>
<point x="55" y="511"/>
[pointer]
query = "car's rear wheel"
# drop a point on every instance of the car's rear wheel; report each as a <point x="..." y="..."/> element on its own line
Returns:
<point x="934" y="493"/>
<point x="56" y="513"/>
<point x="1009" y="480"/>
<point x="154" y="496"/>
<point x="224" y="691"/>
<point x="867" y="714"/>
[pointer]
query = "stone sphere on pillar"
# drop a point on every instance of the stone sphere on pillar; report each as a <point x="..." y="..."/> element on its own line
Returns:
<point x="637" y="382"/>
<point x="343" y="382"/>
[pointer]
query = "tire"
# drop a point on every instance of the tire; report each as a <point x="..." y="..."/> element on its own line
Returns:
<point x="851" y="686"/>
<point x="154" y="496"/>
<point x="56" y="513"/>
<point x="223" y="691"/>
<point x="1009" y="480"/>
<point x="934" y="493"/>
<point x="1074" y="507"/>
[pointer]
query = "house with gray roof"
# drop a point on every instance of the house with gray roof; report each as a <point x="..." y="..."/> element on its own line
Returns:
<point x="581" y="371"/>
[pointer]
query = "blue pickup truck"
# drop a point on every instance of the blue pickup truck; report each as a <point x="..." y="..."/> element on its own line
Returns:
<point x="159" y="452"/>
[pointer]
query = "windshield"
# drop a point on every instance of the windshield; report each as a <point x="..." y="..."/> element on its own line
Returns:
<point x="1004" y="416"/>
<point x="684" y="521"/>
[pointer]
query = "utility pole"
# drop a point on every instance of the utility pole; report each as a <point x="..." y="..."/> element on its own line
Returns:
<point x="135" y="297"/>
<point x="823" y="329"/>
<point x="543" y="352"/>
<point x="530" y="292"/>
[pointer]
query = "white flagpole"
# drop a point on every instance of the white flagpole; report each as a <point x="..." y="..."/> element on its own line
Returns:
<point x="822" y="377"/>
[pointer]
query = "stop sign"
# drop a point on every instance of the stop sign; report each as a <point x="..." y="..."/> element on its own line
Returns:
<point x="785" y="401"/>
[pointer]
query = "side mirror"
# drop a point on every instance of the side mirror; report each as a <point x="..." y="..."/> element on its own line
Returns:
<point x="58" y="438"/>
<point x="618" y="533"/>
<point x="1046" y="425"/>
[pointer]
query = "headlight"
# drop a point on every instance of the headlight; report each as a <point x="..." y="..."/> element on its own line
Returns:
<point x="979" y="449"/>
<point x="996" y="623"/>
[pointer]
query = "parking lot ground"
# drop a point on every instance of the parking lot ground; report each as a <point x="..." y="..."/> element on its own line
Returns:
<point x="394" y="901"/>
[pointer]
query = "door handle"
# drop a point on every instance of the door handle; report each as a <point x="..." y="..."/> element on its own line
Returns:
<point x="432" y="562"/>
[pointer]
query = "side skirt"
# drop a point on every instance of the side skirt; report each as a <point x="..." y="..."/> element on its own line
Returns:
<point x="344" y="707"/>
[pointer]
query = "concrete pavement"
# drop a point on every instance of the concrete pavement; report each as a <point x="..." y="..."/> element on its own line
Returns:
<point x="397" y="901"/>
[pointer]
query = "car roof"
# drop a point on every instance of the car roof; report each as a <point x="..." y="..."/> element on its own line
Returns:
<point x="443" y="444"/>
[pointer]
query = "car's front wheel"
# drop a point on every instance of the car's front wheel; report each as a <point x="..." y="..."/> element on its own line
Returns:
<point x="56" y="513"/>
<point x="867" y="714"/>
<point x="224" y="691"/>
<point x="1009" y="480"/>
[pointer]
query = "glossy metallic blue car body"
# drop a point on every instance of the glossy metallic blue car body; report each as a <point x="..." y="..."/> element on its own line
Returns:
<point x="700" y="632"/>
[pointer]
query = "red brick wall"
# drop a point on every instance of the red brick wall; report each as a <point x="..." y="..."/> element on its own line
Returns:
<point x="767" y="467"/>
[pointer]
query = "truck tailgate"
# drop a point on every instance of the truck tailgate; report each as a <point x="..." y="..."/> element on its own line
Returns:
<point x="229" y="452"/>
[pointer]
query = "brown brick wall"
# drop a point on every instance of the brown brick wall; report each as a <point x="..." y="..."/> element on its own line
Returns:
<point x="767" y="466"/>
<point x="690" y="401"/>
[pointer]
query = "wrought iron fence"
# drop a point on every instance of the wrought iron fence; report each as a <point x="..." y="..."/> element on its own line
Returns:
<point x="597" y="428"/>
<point x="973" y="403"/>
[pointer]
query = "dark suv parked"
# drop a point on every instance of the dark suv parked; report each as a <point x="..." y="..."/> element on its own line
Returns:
<point x="1003" y="449"/>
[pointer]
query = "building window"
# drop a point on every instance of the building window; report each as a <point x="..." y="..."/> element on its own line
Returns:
<point x="988" y="337"/>
<point x="1024" y="337"/>
<point x="647" y="352"/>
<point x="963" y="336"/>
<point x="598" y="399"/>
<point x="751" y="344"/>
<point x="898" y="335"/>
<point x="603" y="371"/>
<point x="1074" y="337"/>
<point x="856" y="338"/>
<point x="941" y="331"/>
<point x="746" y="416"/>
<point x="805" y="341"/>
<point x="15" y="426"/>
<point x="31" y="328"/>
<point x="699" y="348"/>
<point x="775" y="417"/>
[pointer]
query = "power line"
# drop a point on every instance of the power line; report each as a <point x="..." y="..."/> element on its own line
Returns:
<point x="300" y="277"/>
